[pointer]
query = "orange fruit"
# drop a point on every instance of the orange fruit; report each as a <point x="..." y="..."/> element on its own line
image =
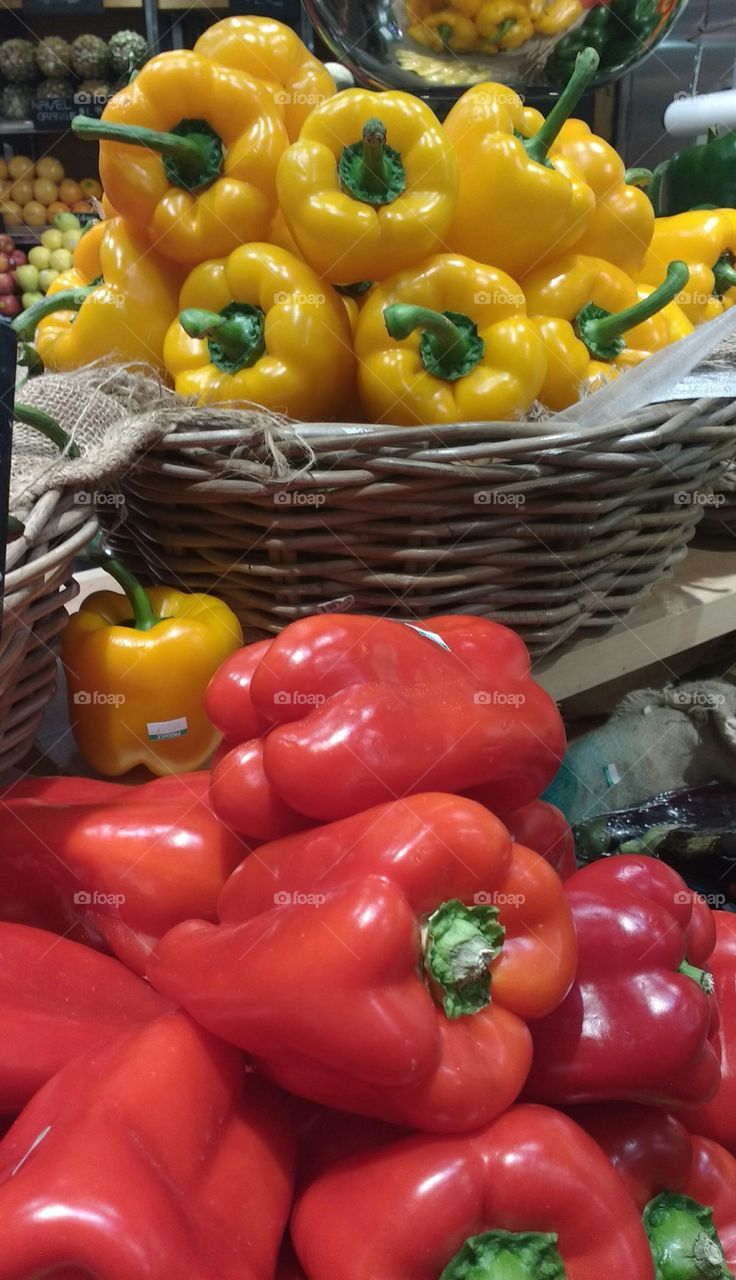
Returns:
<point x="91" y="187"/>
<point x="82" y="206"/>
<point x="34" y="214"/>
<point x="69" y="191"/>
<point x="12" y="213"/>
<point x="20" y="167"/>
<point x="50" y="168"/>
<point x="45" y="191"/>
<point x="57" y="206"/>
<point x="22" y="190"/>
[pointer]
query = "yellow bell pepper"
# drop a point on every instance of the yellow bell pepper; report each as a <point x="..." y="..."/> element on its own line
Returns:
<point x="468" y="7"/>
<point x="370" y="186"/>
<point x="667" y="326"/>
<point x="706" y="241"/>
<point x="446" y="30"/>
<point x="86" y="256"/>
<point x="123" y="316"/>
<point x="513" y="209"/>
<point x="270" y="51"/>
<point x="189" y="153"/>
<point x="583" y="307"/>
<point x="447" y="342"/>
<point x="137" y="666"/>
<point x="558" y="17"/>
<point x="504" y="24"/>
<point x="260" y="327"/>
<point x="622" y="224"/>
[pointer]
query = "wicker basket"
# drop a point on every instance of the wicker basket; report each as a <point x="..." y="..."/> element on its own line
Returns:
<point x="548" y="533"/>
<point x="38" y="585"/>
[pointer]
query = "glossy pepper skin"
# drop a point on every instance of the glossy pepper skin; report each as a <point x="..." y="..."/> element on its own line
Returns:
<point x="338" y="698"/>
<point x="270" y="52"/>
<point x="706" y="241"/>
<point x="560" y="298"/>
<point x="202" y="205"/>
<point x="261" y="327"/>
<point x="316" y="967"/>
<point x="511" y="206"/>
<point x="115" y="870"/>
<point x="59" y="999"/>
<point x="448" y="341"/>
<point x="622" y="224"/>
<point x="135" y="692"/>
<point x="154" y="1156"/>
<point x="717" y="1118"/>
<point x="665" y="1170"/>
<point x="639" y="1023"/>
<point x="126" y="316"/>
<point x="539" y="826"/>
<point x="529" y="1196"/>
<point x="370" y="186"/>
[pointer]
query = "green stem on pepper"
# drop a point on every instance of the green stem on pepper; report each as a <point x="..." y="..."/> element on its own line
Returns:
<point x="450" y="345"/>
<point x="602" y="331"/>
<point x="586" y="65"/>
<point x="144" y="617"/>
<point x="192" y="151"/>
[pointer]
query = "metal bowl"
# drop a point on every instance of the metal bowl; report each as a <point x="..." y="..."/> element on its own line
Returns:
<point x="371" y="37"/>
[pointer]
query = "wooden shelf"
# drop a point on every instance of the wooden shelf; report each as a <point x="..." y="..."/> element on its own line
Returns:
<point x="697" y="604"/>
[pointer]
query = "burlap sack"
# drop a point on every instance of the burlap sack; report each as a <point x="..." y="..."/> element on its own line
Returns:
<point x="109" y="413"/>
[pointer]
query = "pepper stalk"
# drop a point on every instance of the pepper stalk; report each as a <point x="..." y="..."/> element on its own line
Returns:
<point x="450" y="345"/>
<point x="26" y="323"/>
<point x="192" y="151"/>
<point x="602" y="331"/>
<point x="507" y="1255"/>
<point x="684" y="1242"/>
<point x="586" y="65"/>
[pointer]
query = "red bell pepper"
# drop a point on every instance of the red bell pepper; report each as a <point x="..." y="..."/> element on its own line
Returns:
<point x="152" y="1158"/>
<point x="529" y="1197"/>
<point x="386" y="964"/>
<point x="340" y="697"/>
<point x="118" y="871"/>
<point x="541" y="827"/>
<point x="639" y="1023"/>
<point x="717" y="1118"/>
<point x="58" y="999"/>
<point x="684" y="1187"/>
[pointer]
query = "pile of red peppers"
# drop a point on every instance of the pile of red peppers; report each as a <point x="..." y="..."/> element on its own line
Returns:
<point x="344" y="1009"/>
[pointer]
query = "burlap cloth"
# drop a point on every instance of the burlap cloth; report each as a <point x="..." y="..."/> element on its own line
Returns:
<point x="111" y="414"/>
<point x="114" y="415"/>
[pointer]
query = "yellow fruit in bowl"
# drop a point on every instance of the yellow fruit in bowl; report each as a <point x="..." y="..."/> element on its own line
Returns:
<point x="22" y="190"/>
<point x="50" y="168"/>
<point x="45" y="191"/>
<point x="34" y="214"/>
<point x="91" y="187"/>
<point x="20" y="167"/>
<point x="12" y="213"/>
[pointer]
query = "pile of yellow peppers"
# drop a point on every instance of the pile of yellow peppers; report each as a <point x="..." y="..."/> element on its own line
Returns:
<point x="345" y="256"/>
<point x="488" y="26"/>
